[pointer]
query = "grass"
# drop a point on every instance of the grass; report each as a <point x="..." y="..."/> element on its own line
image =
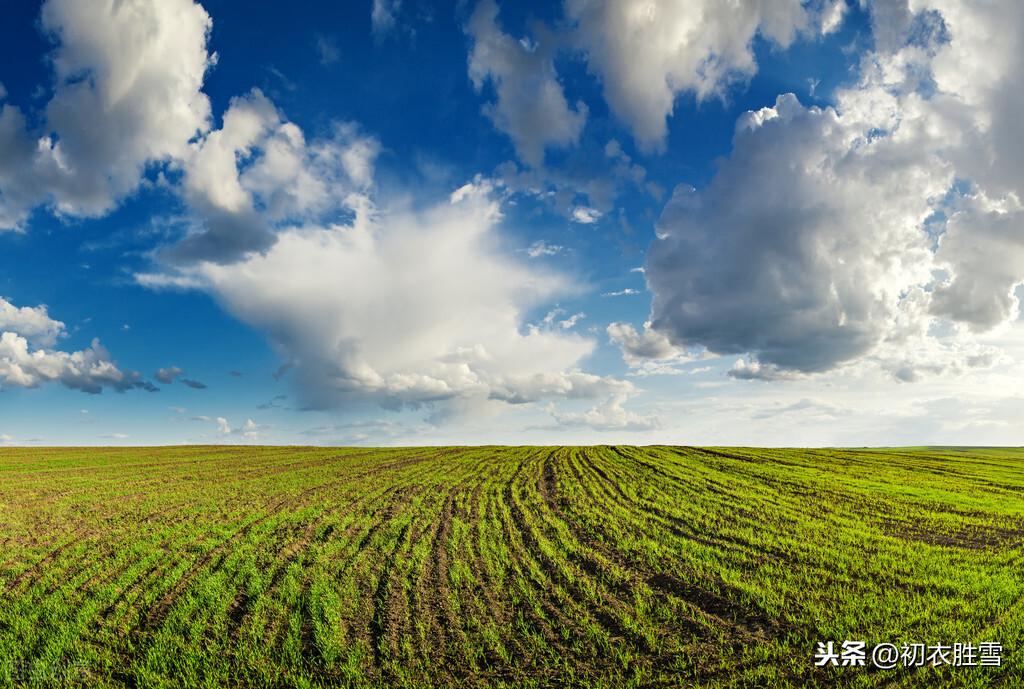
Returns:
<point x="503" y="567"/>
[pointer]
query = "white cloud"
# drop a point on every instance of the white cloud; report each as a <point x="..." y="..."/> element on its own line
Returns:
<point x="168" y="375"/>
<point x="406" y="309"/>
<point x="285" y="179"/>
<point x="27" y="360"/>
<point x="646" y="52"/>
<point x="585" y="215"/>
<point x="127" y="93"/>
<point x="32" y="323"/>
<point x="649" y="353"/>
<point x="806" y="248"/>
<point x="751" y="369"/>
<point x="638" y="348"/>
<point x="628" y="292"/>
<point x="553" y="318"/>
<point x="248" y="431"/>
<point x="383" y="14"/>
<point x="158" y="280"/>
<point x="531" y="107"/>
<point x="815" y="244"/>
<point x="610" y="415"/>
<point x="542" y="248"/>
<point x="978" y="110"/>
<point x="89" y="370"/>
<point x="984" y="247"/>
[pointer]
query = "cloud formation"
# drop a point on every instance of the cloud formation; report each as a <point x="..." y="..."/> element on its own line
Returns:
<point x="171" y="373"/>
<point x="250" y="431"/>
<point x="638" y="348"/>
<point x="542" y="248"/>
<point x="257" y="172"/>
<point x="610" y="415"/>
<point x="168" y="375"/>
<point x="405" y="309"/>
<point x="853" y="232"/>
<point x="23" y="365"/>
<point x="126" y="94"/>
<point x="531" y="107"/>
<point x="806" y="247"/>
<point x="32" y="323"/>
<point x="647" y="52"/>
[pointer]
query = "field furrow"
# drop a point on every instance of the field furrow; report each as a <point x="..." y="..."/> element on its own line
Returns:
<point x="503" y="567"/>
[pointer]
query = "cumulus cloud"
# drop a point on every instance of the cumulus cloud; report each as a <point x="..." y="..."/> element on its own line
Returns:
<point x="647" y="52"/>
<point x="984" y="247"/>
<point x="585" y="215"/>
<point x="127" y="93"/>
<point x="638" y="348"/>
<point x="976" y="71"/>
<point x="248" y="431"/>
<point x="258" y="172"/>
<point x="32" y="323"/>
<point x="807" y="248"/>
<point x="168" y="375"/>
<point x="854" y="232"/>
<point x="650" y="353"/>
<point x="407" y="308"/>
<point x="610" y="415"/>
<point x="89" y="370"/>
<point x="531" y="107"/>
<point x="27" y="360"/>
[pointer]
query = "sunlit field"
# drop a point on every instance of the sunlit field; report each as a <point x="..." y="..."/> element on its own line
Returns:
<point x="504" y="567"/>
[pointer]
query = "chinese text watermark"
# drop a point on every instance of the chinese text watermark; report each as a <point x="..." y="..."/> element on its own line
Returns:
<point x="886" y="656"/>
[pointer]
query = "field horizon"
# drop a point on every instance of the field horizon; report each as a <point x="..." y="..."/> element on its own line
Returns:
<point x="597" y="566"/>
<point x="154" y="446"/>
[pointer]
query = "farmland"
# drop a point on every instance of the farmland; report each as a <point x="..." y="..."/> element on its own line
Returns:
<point x="503" y="567"/>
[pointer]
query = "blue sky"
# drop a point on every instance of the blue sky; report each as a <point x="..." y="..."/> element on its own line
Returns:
<point x="402" y="222"/>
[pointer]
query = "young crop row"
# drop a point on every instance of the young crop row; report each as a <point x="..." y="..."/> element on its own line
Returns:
<point x="502" y="567"/>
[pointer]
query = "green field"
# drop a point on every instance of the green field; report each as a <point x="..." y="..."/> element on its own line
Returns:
<point x="503" y="567"/>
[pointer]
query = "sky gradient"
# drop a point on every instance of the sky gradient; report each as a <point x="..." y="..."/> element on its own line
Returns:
<point x="395" y="222"/>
